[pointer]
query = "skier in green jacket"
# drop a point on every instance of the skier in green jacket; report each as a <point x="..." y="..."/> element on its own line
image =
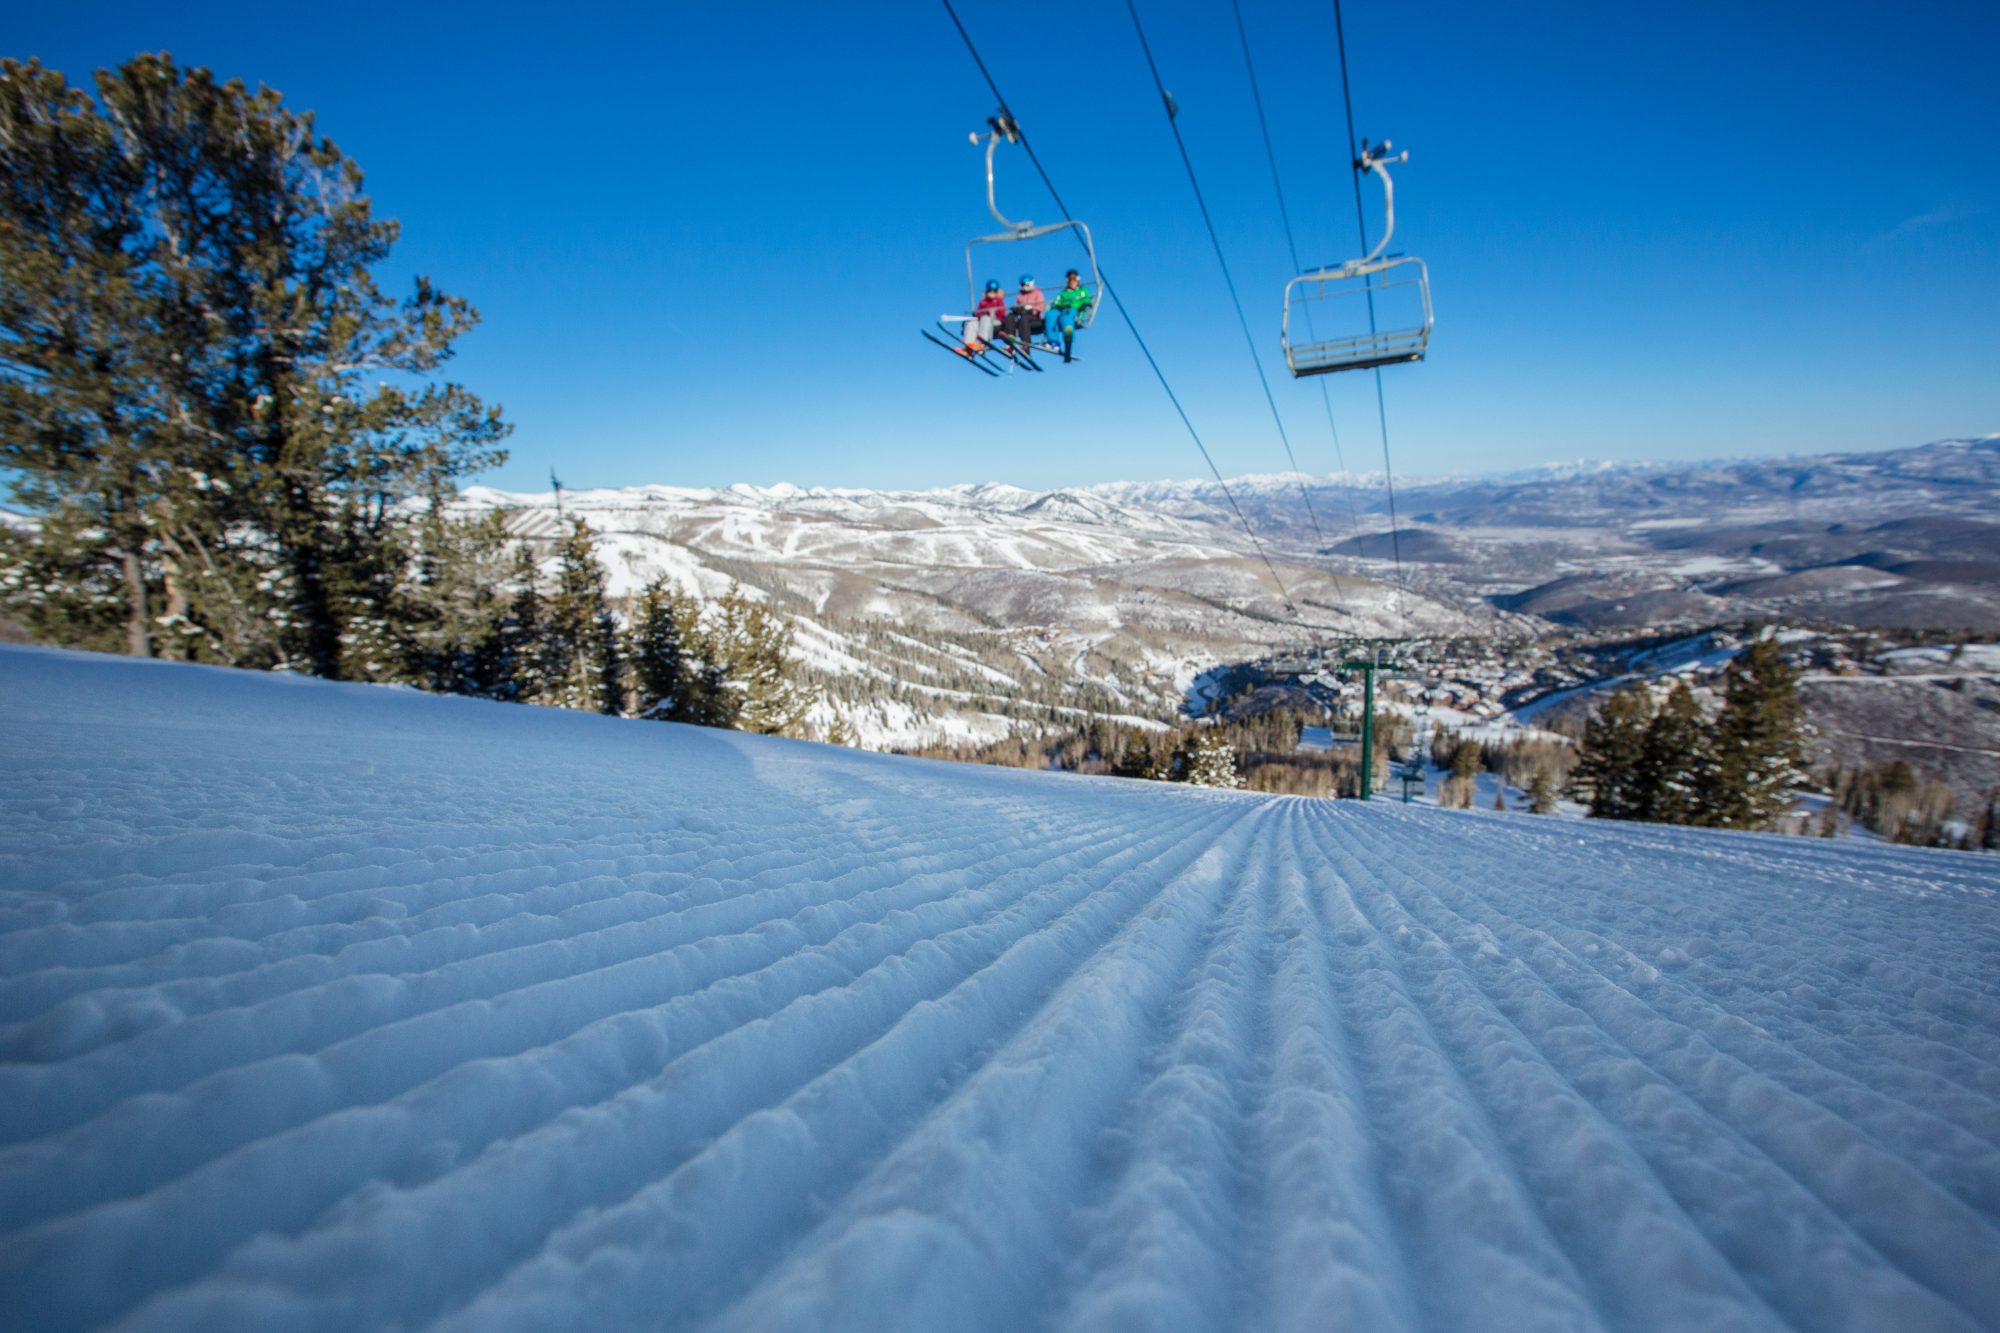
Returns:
<point x="1065" y="312"/>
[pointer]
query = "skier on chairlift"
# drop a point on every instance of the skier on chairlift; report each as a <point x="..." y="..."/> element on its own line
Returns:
<point x="991" y="311"/>
<point x="1070" y="306"/>
<point x="1029" y="316"/>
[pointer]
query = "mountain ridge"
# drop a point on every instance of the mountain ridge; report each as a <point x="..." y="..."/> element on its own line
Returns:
<point x="1133" y="589"/>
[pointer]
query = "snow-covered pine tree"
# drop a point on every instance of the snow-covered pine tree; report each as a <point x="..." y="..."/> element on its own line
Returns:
<point x="753" y="680"/>
<point x="1676" y="763"/>
<point x="1759" y="740"/>
<point x="579" y="637"/>
<point x="1614" y="743"/>
<point x="509" y="665"/>
<point x="1212" y="762"/>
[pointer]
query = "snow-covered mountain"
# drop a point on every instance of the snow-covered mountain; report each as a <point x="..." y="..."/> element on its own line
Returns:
<point x="344" y="1007"/>
<point x="1065" y="600"/>
<point x="1696" y="521"/>
<point x="1129" y="589"/>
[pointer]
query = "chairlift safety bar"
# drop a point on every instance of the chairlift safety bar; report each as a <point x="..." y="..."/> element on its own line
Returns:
<point x="1002" y="126"/>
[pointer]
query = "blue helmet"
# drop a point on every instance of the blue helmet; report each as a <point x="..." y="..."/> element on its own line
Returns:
<point x="993" y="284"/>
<point x="1027" y="279"/>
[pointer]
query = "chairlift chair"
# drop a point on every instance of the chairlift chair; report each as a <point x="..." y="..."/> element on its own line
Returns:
<point x="1400" y="282"/>
<point x="1420" y="724"/>
<point x="1001" y="126"/>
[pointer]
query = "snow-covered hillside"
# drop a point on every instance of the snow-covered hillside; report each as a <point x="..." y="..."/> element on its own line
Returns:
<point x="330" y="1006"/>
<point x="1058" y="599"/>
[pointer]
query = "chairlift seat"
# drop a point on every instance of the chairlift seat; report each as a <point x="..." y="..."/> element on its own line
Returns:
<point x="1402" y="284"/>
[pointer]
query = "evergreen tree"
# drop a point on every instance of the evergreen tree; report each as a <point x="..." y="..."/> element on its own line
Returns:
<point x="1146" y="754"/>
<point x="751" y="681"/>
<point x="1675" y="764"/>
<point x="1759" y="741"/>
<point x="1211" y="762"/>
<point x="579" y="638"/>
<point x="60" y="590"/>
<point x="665" y="654"/>
<point x="1611" y="755"/>
<point x="83" y="427"/>
<point x="1984" y="835"/>
<point x="204" y="397"/>
<point x="1542" y="793"/>
<point x="449" y="607"/>
<point x="510" y="662"/>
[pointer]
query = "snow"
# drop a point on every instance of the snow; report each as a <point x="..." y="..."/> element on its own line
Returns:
<point x="332" y="1006"/>
<point x="1943" y="661"/>
<point x="1687" y="657"/>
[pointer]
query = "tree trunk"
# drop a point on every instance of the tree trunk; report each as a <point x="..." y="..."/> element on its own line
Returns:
<point x="177" y="610"/>
<point x="138" y="616"/>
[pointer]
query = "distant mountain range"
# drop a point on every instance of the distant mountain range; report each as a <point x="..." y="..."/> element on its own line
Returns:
<point x="1134" y="587"/>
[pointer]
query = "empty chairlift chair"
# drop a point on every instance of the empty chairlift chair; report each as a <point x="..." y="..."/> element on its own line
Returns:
<point x="1381" y="304"/>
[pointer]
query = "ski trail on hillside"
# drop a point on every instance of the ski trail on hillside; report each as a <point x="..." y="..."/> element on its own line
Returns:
<point x="328" y="1007"/>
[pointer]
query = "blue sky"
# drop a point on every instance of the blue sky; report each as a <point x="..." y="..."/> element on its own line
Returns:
<point x="703" y="236"/>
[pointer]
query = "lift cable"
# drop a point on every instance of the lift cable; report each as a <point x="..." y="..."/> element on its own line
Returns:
<point x="1167" y="104"/>
<point x="1292" y="246"/>
<point x="1361" y="226"/>
<point x="1111" y="294"/>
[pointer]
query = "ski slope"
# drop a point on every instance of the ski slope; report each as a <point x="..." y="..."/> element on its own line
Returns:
<point x="340" y="1007"/>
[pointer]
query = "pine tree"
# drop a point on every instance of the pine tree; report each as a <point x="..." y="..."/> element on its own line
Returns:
<point x="205" y="399"/>
<point x="448" y="605"/>
<point x="752" y="682"/>
<point x="82" y="425"/>
<point x="664" y="653"/>
<point x="1984" y="835"/>
<point x="1675" y="763"/>
<point x="1613" y="748"/>
<point x="1211" y="762"/>
<point x="1759" y="741"/>
<point x="510" y="665"/>
<point x="1146" y="754"/>
<point x="579" y="637"/>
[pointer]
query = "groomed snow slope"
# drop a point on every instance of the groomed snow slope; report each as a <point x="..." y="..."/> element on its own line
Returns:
<point x="338" y="1007"/>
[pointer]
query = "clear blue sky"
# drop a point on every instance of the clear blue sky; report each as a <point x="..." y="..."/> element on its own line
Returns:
<point x="703" y="236"/>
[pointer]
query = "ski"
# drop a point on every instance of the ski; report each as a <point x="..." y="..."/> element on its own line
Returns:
<point x="956" y="349"/>
<point x="1020" y="356"/>
<point x="992" y="356"/>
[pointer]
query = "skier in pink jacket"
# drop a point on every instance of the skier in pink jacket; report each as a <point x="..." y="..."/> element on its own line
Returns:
<point x="1031" y="306"/>
<point x="986" y="316"/>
